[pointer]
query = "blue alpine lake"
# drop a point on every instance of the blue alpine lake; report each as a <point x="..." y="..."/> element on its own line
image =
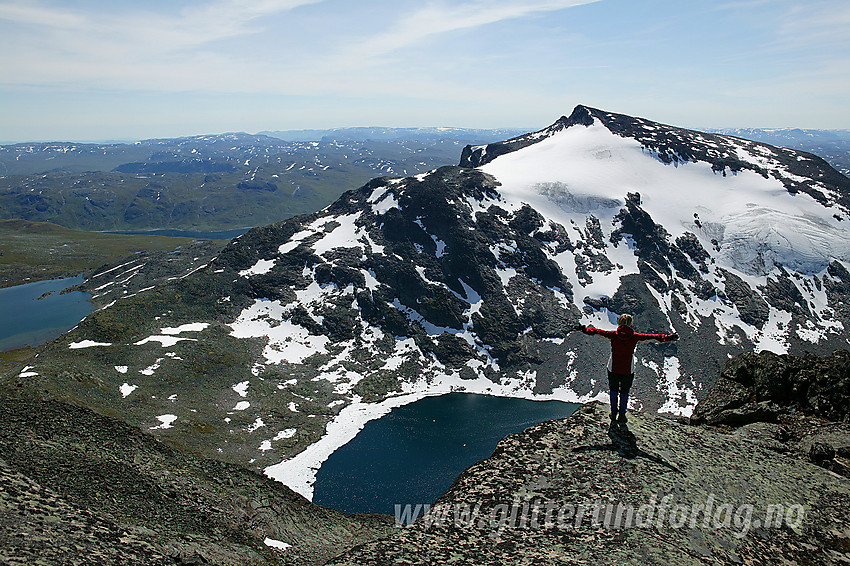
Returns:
<point x="414" y="453"/>
<point x="36" y="313"/>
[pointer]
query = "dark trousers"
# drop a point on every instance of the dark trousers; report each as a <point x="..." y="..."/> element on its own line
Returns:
<point x="619" y="385"/>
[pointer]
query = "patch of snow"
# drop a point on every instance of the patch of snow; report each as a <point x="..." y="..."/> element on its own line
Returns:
<point x="165" y="341"/>
<point x="680" y="400"/>
<point x="126" y="389"/>
<point x="774" y="336"/>
<point x="382" y="201"/>
<point x="87" y="344"/>
<point x="241" y="388"/>
<point x="166" y="420"/>
<point x="287" y="342"/>
<point x="191" y="327"/>
<point x="276" y="544"/>
<point x="262" y="267"/>
<point x="113" y="269"/>
<point x="343" y="236"/>
<point x="371" y="282"/>
<point x="287" y="433"/>
<point x="152" y="368"/>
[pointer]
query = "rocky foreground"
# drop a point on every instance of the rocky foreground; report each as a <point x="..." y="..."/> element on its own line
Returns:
<point x="757" y="476"/>
<point x="77" y="487"/>
<point x="658" y="491"/>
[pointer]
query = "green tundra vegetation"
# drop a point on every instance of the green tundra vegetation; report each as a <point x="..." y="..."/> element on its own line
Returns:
<point x="35" y="251"/>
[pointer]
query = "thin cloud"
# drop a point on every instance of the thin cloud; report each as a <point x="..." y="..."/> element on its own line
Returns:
<point x="228" y="18"/>
<point x="33" y="14"/>
<point x="145" y="29"/>
<point x="439" y="18"/>
<point x="818" y="23"/>
<point x="134" y="48"/>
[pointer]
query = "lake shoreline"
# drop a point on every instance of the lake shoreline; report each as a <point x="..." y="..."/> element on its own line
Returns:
<point x="299" y="472"/>
<point x="39" y="312"/>
<point x="412" y="455"/>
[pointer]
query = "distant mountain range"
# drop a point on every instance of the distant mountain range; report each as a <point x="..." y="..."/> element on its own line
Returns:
<point x="385" y="134"/>
<point x="214" y="182"/>
<point x="469" y="278"/>
<point x="832" y="145"/>
<point x="238" y="180"/>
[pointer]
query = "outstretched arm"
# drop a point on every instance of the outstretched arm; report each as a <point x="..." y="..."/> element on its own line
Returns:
<point x="590" y="330"/>
<point x="659" y="337"/>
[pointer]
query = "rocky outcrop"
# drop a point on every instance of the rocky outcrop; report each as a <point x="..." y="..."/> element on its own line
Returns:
<point x="799" y="405"/>
<point x="657" y="491"/>
<point x="752" y="308"/>
<point x="761" y="387"/>
<point x="81" y="488"/>
<point x="478" y="155"/>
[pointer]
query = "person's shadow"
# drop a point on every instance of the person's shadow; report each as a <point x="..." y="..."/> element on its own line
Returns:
<point x="624" y="442"/>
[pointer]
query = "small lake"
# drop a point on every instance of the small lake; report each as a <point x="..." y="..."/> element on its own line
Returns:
<point x="414" y="453"/>
<point x="219" y="235"/>
<point x="27" y="320"/>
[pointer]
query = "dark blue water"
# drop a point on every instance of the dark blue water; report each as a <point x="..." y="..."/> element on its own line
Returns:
<point x="414" y="453"/>
<point x="26" y="320"/>
<point x="220" y="235"/>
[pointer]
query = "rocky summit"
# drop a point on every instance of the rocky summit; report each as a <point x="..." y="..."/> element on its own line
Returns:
<point x="468" y="278"/>
<point x="793" y="405"/>
<point x="579" y="491"/>
<point x="656" y="490"/>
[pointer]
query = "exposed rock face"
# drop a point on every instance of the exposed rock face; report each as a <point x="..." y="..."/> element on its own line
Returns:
<point x="80" y="488"/>
<point x="582" y="461"/>
<point x="759" y="387"/>
<point x="752" y="307"/>
<point x="475" y="156"/>
<point x="794" y="405"/>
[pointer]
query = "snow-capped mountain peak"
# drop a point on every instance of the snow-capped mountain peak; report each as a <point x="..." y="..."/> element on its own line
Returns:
<point x="751" y="198"/>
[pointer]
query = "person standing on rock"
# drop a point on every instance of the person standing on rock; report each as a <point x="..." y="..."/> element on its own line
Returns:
<point x="621" y="363"/>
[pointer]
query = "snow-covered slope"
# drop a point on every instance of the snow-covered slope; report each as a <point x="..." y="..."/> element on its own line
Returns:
<point x="756" y="220"/>
<point x="469" y="278"/>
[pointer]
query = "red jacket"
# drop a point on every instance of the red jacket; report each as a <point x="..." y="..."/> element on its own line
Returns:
<point x="623" y="342"/>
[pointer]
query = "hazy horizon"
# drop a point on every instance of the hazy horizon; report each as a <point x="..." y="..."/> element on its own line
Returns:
<point x="107" y="141"/>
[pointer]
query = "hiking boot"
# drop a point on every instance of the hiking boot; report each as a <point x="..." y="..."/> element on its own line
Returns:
<point x="622" y="418"/>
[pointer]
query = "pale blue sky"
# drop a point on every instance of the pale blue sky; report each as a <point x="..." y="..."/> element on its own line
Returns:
<point x="109" y="69"/>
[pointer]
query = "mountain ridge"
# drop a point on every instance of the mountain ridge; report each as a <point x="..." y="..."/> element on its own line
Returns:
<point x="671" y="145"/>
